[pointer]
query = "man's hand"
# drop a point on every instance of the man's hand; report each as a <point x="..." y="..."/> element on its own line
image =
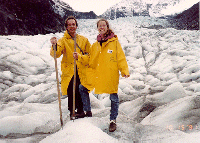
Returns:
<point x="53" y="40"/>
<point x="75" y="55"/>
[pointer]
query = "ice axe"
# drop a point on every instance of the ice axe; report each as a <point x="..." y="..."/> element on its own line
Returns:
<point x="58" y="89"/>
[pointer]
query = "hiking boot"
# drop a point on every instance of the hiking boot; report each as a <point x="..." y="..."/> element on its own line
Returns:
<point x="88" y="114"/>
<point x="71" y="116"/>
<point x="112" y="126"/>
<point x="80" y="115"/>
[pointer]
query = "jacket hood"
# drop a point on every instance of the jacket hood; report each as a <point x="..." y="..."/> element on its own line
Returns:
<point x="110" y="40"/>
<point x="115" y="38"/>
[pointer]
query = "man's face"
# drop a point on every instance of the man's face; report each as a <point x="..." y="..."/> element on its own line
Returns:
<point x="71" y="27"/>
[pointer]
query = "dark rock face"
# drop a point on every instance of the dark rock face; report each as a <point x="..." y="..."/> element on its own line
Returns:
<point x="25" y="17"/>
<point x="85" y="15"/>
<point x="187" y="20"/>
<point x="115" y="14"/>
<point x="31" y="17"/>
<point x="64" y="10"/>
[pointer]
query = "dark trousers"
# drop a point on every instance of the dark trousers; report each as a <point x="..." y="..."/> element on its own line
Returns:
<point x="78" y="100"/>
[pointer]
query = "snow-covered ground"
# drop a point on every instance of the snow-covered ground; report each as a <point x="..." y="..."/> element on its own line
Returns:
<point x="159" y="103"/>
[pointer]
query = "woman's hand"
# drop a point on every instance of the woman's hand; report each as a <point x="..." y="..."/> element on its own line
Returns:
<point x="126" y="76"/>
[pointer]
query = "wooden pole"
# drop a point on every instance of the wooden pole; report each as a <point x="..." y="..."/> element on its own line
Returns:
<point x="74" y="85"/>
<point x="58" y="89"/>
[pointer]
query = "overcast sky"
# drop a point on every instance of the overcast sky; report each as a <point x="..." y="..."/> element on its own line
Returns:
<point x="100" y="6"/>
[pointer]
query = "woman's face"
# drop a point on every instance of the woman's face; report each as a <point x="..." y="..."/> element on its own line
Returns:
<point x="102" y="27"/>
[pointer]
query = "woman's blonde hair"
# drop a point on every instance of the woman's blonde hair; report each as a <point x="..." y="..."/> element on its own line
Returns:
<point x="103" y="20"/>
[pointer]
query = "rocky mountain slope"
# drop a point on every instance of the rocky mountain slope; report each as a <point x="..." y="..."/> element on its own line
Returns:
<point x="138" y="8"/>
<point x="64" y="10"/>
<point x="24" y="17"/>
<point x="187" y="20"/>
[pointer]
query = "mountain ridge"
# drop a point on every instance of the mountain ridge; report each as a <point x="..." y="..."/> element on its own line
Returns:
<point x="24" y="17"/>
<point x="187" y="20"/>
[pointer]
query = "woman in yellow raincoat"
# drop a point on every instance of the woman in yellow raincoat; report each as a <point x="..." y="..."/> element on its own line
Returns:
<point x="107" y="58"/>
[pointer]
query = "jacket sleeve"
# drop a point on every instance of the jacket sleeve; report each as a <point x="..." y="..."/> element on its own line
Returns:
<point x="84" y="59"/>
<point x="94" y="56"/>
<point x="60" y="49"/>
<point x="121" y="60"/>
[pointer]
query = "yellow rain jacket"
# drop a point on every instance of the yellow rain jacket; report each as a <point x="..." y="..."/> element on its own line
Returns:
<point x="65" y="47"/>
<point x="107" y="60"/>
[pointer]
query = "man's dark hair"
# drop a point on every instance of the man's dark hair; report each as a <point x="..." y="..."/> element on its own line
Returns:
<point x="70" y="17"/>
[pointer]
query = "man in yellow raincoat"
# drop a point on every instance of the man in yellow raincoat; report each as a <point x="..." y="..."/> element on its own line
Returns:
<point x="65" y="47"/>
